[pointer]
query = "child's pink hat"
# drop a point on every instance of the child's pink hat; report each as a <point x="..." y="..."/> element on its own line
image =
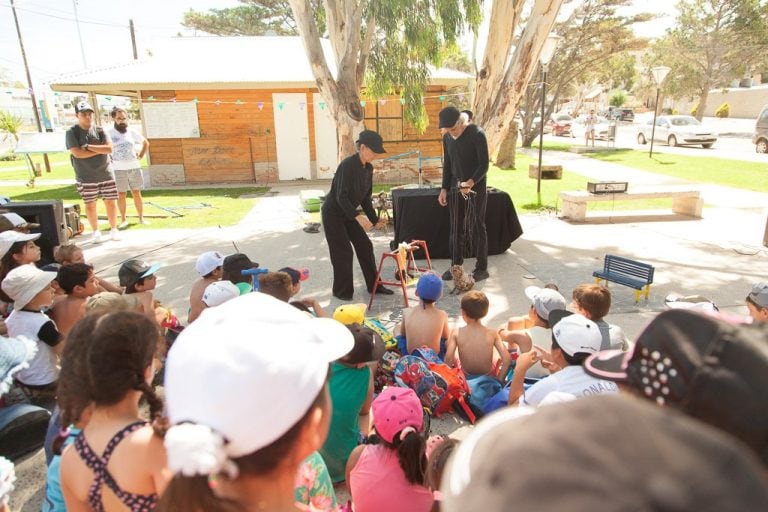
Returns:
<point x="396" y="409"/>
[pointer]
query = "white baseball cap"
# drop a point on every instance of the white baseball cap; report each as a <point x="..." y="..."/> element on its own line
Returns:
<point x="267" y="366"/>
<point x="219" y="292"/>
<point x="575" y="333"/>
<point x="8" y="238"/>
<point x="208" y="262"/>
<point x="545" y="300"/>
<point x="24" y="282"/>
<point x="83" y="106"/>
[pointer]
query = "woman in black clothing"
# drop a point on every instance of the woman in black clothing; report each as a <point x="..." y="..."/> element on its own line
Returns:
<point x="352" y="187"/>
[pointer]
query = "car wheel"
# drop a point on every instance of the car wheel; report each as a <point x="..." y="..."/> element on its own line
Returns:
<point x="641" y="139"/>
<point x="762" y="146"/>
<point x="672" y="141"/>
<point x="707" y="146"/>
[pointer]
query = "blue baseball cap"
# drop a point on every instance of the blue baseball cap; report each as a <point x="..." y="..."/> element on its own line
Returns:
<point x="430" y="286"/>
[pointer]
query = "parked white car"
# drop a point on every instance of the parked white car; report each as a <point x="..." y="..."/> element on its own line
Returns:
<point x="602" y="128"/>
<point x="677" y="131"/>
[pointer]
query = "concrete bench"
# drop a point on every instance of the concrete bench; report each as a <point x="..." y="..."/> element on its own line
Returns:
<point x="684" y="201"/>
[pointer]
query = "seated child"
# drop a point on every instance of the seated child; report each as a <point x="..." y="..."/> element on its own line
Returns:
<point x="757" y="302"/>
<point x="574" y="338"/>
<point x="276" y="284"/>
<point x="436" y="462"/>
<point x="424" y="324"/>
<point x="16" y="249"/>
<point x="308" y="304"/>
<point x="71" y="253"/>
<point x="594" y="301"/>
<point x="351" y="390"/>
<point x="391" y="475"/>
<point x="139" y="279"/>
<point x="233" y="266"/>
<point x="208" y="267"/>
<point x="475" y="343"/>
<point x="523" y="332"/>
<point x="78" y="282"/>
<point x="31" y="291"/>
<point x="111" y="301"/>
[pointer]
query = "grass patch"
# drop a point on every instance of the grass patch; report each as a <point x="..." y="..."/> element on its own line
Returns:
<point x="225" y="206"/>
<point x="698" y="169"/>
<point x="61" y="168"/>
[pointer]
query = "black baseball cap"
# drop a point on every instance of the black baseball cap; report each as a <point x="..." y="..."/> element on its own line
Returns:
<point x="448" y="117"/>
<point x="610" y="453"/>
<point x="708" y="368"/>
<point x="372" y="140"/>
<point x="234" y="264"/>
<point x="132" y="270"/>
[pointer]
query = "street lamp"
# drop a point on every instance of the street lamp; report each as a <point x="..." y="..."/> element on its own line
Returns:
<point x="659" y="74"/>
<point x="547" y="51"/>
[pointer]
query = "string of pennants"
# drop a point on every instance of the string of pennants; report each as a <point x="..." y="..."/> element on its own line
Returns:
<point x="302" y="104"/>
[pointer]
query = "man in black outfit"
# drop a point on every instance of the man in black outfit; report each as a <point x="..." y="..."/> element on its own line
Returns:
<point x="352" y="187"/>
<point x="465" y="166"/>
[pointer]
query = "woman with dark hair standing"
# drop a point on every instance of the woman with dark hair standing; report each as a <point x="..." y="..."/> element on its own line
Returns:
<point x="352" y="187"/>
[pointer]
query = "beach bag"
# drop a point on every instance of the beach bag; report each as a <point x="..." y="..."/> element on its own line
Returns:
<point x="456" y="393"/>
<point x="385" y="371"/>
<point x="374" y="324"/>
<point x="413" y="372"/>
<point x="426" y="354"/>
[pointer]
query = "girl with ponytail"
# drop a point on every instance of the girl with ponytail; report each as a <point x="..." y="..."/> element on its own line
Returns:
<point x="117" y="462"/>
<point x="392" y="475"/>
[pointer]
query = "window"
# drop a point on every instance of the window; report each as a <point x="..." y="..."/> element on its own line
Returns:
<point x="387" y="119"/>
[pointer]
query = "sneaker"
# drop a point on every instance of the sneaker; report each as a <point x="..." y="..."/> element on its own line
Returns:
<point x="144" y="222"/>
<point x="480" y="275"/>
<point x="447" y="276"/>
<point x="114" y="235"/>
<point x="96" y="237"/>
<point x="123" y="225"/>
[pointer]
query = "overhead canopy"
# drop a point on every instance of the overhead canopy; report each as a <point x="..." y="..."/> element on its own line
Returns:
<point x="215" y="62"/>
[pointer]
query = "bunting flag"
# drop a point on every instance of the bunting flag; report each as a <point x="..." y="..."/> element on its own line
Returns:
<point x="280" y="105"/>
<point x="240" y="102"/>
<point x="260" y="105"/>
<point x="217" y="102"/>
<point x="301" y="104"/>
<point x="382" y="102"/>
<point x="322" y="105"/>
<point x="362" y="103"/>
<point x="442" y="97"/>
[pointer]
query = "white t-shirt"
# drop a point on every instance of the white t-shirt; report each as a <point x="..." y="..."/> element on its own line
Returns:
<point x="571" y="379"/>
<point x="43" y="368"/>
<point x="124" y="149"/>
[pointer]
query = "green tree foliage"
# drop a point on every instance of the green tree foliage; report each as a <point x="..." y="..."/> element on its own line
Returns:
<point x="596" y="39"/>
<point x="253" y="18"/>
<point x="712" y="43"/>
<point x="617" y="98"/>
<point x="10" y="125"/>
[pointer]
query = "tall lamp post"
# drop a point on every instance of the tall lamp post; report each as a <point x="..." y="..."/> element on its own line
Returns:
<point x="659" y="74"/>
<point x="547" y="51"/>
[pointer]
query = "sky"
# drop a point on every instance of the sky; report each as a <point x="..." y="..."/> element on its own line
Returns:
<point x="53" y="47"/>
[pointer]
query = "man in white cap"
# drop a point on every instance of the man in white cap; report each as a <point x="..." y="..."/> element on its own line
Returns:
<point x="90" y="148"/>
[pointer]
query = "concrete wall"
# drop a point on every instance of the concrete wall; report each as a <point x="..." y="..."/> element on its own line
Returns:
<point x="745" y="103"/>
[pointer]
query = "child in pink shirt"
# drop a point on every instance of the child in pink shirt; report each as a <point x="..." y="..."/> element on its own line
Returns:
<point x="391" y="475"/>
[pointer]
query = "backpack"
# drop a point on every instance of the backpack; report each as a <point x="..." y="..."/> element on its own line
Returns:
<point x="454" y="383"/>
<point x="413" y="372"/>
<point x="374" y="324"/>
<point x="385" y="371"/>
<point x="427" y="354"/>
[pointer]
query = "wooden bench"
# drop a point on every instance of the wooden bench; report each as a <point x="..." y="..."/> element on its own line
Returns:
<point x="624" y="271"/>
<point x="684" y="201"/>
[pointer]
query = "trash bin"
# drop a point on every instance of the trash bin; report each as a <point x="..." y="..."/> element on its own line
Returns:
<point x="612" y="131"/>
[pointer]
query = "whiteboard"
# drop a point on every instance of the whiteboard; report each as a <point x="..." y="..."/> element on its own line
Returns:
<point x="171" y="120"/>
<point x="45" y="142"/>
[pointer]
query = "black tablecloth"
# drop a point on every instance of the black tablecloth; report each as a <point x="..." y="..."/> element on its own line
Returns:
<point x="418" y="216"/>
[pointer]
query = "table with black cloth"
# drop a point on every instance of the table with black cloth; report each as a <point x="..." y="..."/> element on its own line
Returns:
<point x="418" y="216"/>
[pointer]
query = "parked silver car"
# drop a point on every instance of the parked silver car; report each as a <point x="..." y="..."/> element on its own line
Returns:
<point x="677" y="131"/>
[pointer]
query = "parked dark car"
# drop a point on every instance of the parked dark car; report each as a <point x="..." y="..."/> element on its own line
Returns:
<point x="760" y="139"/>
<point x="621" y="114"/>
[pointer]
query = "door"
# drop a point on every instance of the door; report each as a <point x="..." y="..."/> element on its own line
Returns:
<point x="662" y="130"/>
<point x="325" y="139"/>
<point x="291" y="135"/>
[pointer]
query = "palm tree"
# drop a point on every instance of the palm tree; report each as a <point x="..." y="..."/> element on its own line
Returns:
<point x="10" y="125"/>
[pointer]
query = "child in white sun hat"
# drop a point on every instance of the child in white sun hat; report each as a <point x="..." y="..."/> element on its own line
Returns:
<point x="246" y="414"/>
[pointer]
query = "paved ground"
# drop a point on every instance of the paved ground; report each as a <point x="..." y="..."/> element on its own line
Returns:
<point x="718" y="256"/>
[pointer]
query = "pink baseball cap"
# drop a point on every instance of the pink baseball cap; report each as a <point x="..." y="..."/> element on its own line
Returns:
<point x="395" y="409"/>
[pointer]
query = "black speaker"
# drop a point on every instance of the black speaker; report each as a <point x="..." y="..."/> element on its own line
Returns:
<point x="53" y="227"/>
